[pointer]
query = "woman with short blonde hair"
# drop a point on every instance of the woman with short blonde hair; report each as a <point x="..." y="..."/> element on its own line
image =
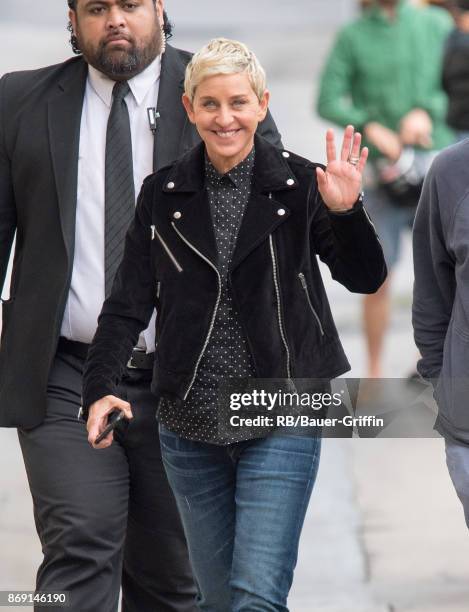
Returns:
<point x="225" y="244"/>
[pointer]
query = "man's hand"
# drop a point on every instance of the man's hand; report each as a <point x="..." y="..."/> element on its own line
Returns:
<point x="416" y="129"/>
<point x="98" y="418"/>
<point x="385" y="140"/>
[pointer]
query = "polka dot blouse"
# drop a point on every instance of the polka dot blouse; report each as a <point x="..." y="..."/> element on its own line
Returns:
<point x="227" y="355"/>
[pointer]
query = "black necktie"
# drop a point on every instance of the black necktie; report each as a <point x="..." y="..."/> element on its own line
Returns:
<point x="119" y="183"/>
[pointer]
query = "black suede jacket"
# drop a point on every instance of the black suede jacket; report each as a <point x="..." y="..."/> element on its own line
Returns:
<point x="170" y="263"/>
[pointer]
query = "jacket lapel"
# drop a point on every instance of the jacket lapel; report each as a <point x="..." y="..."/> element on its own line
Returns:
<point x="262" y="216"/>
<point x="64" y="118"/>
<point x="196" y="226"/>
<point x="191" y="215"/>
<point x="172" y="121"/>
<point x="264" y="213"/>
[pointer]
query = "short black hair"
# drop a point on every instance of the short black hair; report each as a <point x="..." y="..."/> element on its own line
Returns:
<point x="167" y="26"/>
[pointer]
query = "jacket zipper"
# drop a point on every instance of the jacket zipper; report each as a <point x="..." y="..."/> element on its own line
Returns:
<point x="154" y="232"/>
<point x="215" y="310"/>
<point x="301" y="276"/>
<point x="279" y="306"/>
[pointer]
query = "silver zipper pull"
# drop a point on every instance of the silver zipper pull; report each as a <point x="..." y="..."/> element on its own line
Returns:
<point x="153" y="232"/>
<point x="301" y="276"/>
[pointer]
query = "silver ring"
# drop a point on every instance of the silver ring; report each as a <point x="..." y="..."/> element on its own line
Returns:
<point x="353" y="160"/>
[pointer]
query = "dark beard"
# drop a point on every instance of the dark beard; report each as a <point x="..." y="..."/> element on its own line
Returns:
<point x="123" y="64"/>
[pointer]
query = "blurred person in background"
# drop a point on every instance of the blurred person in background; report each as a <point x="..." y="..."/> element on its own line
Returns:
<point x="456" y="71"/>
<point x="384" y="75"/>
<point x="76" y="141"/>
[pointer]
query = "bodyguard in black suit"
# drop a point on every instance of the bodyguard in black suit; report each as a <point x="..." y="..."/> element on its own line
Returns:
<point x="104" y="518"/>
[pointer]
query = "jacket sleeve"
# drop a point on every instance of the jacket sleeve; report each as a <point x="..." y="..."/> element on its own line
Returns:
<point x="435" y="282"/>
<point x="7" y="199"/>
<point x="125" y="313"/>
<point x="334" y="101"/>
<point x="348" y="244"/>
<point x="269" y="131"/>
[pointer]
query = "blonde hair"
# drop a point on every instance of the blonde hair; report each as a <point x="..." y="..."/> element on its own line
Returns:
<point x="224" y="56"/>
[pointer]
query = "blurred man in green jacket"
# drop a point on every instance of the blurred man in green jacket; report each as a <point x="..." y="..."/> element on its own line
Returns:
<point x="383" y="76"/>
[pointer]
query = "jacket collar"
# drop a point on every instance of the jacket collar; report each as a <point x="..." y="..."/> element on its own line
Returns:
<point x="191" y="215"/>
<point x="64" y="119"/>
<point x="271" y="170"/>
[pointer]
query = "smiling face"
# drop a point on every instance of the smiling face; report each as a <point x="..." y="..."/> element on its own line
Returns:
<point x="118" y="38"/>
<point x="226" y="112"/>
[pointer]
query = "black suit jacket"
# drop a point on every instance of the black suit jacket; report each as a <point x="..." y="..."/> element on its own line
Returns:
<point x="40" y="116"/>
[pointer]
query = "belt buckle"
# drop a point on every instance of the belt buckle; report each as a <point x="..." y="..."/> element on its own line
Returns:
<point x="130" y="364"/>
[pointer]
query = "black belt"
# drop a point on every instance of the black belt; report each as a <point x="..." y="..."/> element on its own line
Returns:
<point x="139" y="360"/>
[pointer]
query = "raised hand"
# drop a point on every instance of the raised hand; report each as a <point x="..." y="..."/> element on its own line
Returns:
<point x="340" y="184"/>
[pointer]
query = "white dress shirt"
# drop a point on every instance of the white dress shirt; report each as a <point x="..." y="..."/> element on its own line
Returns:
<point x="86" y="294"/>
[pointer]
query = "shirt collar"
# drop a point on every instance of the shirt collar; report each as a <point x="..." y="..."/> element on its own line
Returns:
<point x="139" y="85"/>
<point x="237" y="175"/>
<point x="377" y="12"/>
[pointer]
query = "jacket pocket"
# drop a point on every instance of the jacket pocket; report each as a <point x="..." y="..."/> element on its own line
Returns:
<point x="302" y="278"/>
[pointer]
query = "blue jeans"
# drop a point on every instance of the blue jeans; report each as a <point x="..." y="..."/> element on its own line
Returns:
<point x="242" y="508"/>
<point x="390" y="222"/>
<point x="457" y="460"/>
